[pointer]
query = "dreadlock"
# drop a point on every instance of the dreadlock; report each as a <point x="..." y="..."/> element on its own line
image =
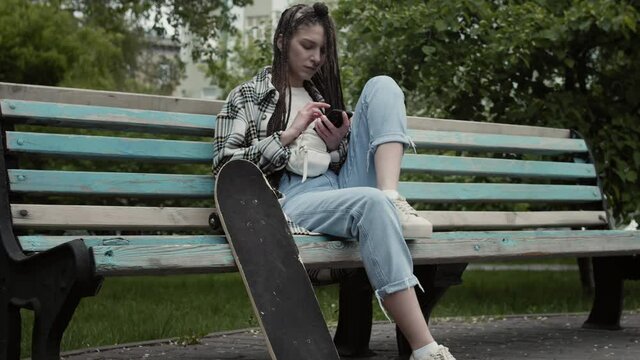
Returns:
<point x="326" y="79"/>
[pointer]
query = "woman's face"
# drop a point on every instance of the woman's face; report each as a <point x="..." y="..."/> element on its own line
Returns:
<point x="306" y="53"/>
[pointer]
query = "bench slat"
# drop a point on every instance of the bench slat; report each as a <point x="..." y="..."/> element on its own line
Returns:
<point x="443" y="247"/>
<point x="73" y="217"/>
<point x="110" y="183"/>
<point x="452" y="165"/>
<point x="454" y="192"/>
<point x="433" y="124"/>
<point x="495" y="220"/>
<point x="69" y="217"/>
<point x="58" y="94"/>
<point x="462" y="141"/>
<point x="102" y="117"/>
<point x="201" y="186"/>
<point x="105" y="147"/>
<point x="38" y="243"/>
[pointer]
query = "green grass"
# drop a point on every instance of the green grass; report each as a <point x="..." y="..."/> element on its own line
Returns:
<point x="188" y="307"/>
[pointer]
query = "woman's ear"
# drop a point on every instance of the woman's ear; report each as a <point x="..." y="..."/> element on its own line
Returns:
<point x="279" y="42"/>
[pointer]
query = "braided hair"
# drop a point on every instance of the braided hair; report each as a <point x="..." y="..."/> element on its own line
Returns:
<point x="326" y="80"/>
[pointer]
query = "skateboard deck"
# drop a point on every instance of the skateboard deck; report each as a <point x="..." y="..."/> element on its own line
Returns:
<point x="282" y="296"/>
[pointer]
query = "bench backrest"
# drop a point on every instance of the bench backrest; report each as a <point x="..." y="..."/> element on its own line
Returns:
<point x="140" y="166"/>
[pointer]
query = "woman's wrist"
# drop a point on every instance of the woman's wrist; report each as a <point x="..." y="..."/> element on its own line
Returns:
<point x="289" y="135"/>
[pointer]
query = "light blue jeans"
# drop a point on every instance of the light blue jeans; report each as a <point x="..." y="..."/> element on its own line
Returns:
<point x="348" y="204"/>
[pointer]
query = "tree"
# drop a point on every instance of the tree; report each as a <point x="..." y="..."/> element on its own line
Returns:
<point x="98" y="44"/>
<point x="42" y="45"/>
<point x="564" y="63"/>
<point x="204" y="19"/>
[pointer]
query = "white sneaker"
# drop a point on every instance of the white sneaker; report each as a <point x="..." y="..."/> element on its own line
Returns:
<point x="442" y="354"/>
<point x="413" y="225"/>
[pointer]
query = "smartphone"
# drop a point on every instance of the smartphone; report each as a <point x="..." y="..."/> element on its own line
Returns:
<point x="335" y="116"/>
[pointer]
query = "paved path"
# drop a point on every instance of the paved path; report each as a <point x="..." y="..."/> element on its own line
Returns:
<point x="515" y="337"/>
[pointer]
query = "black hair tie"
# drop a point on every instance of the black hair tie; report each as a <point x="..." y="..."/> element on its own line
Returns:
<point x="320" y="9"/>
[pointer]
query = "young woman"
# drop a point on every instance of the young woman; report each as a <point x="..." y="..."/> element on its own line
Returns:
<point x="338" y="180"/>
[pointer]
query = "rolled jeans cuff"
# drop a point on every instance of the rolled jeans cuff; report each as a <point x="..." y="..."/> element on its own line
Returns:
<point x="404" y="284"/>
<point x="391" y="137"/>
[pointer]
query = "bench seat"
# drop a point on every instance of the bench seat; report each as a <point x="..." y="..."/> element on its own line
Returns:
<point x="136" y="255"/>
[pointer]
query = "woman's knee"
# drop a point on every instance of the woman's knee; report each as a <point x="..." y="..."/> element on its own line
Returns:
<point x="374" y="201"/>
<point x="383" y="85"/>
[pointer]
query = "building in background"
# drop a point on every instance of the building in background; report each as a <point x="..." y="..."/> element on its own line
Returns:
<point x="195" y="83"/>
<point x="160" y="66"/>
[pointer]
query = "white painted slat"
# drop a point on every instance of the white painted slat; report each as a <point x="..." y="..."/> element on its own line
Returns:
<point x="69" y="217"/>
<point x="467" y="141"/>
<point x="109" y="98"/>
<point x="495" y="220"/>
<point x="424" y="123"/>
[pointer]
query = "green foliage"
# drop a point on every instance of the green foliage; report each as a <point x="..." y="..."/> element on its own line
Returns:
<point x="41" y="44"/>
<point x="101" y="44"/>
<point x="569" y="64"/>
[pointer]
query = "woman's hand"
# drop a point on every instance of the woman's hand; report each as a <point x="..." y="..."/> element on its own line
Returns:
<point x="332" y="135"/>
<point x="303" y="119"/>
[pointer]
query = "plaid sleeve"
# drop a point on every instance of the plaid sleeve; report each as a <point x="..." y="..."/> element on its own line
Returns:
<point x="236" y="137"/>
<point x="342" y="152"/>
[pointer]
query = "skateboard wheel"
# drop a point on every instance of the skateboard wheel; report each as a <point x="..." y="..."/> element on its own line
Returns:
<point x="214" y="222"/>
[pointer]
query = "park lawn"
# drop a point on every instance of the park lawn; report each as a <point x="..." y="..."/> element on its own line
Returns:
<point x="131" y="309"/>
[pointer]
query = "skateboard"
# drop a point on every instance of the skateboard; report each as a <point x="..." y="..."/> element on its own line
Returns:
<point x="267" y="257"/>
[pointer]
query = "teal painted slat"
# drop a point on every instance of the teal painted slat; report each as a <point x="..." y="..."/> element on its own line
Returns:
<point x="445" y="140"/>
<point x="505" y="236"/>
<point x="109" y="183"/>
<point x="454" y="165"/>
<point x="107" y="117"/>
<point x="454" y="192"/>
<point x="201" y="186"/>
<point x="103" y="147"/>
<point x="123" y="259"/>
<point x="44" y="242"/>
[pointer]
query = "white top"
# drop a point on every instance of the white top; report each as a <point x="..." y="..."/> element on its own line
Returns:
<point x="309" y="156"/>
<point x="299" y="98"/>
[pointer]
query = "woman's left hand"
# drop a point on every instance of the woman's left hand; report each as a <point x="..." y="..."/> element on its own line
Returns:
<point x="332" y="135"/>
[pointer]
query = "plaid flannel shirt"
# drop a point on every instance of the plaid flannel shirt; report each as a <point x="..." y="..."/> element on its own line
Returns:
<point x="241" y="128"/>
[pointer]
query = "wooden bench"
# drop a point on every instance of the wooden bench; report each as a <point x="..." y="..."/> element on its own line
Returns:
<point x="540" y="183"/>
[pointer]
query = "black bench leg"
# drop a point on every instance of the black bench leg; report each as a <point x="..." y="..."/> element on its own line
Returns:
<point x="50" y="324"/>
<point x="436" y="280"/>
<point x="609" y="274"/>
<point x="585" y="267"/>
<point x="51" y="284"/>
<point x="355" y="316"/>
<point x="10" y="329"/>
